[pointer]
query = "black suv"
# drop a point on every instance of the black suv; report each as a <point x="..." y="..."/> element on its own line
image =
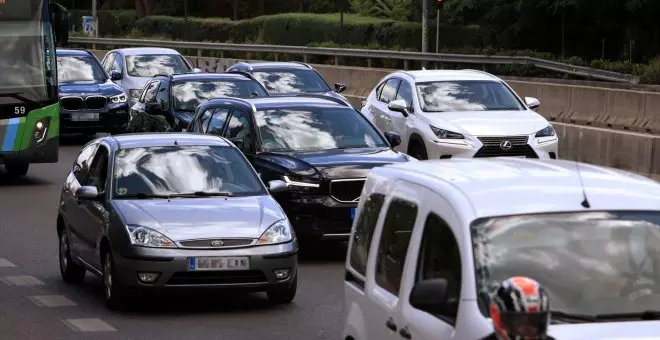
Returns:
<point x="176" y="97"/>
<point x="320" y="146"/>
<point x="282" y="78"/>
<point x="90" y="102"/>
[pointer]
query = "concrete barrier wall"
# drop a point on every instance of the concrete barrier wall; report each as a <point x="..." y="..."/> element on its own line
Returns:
<point x="605" y="126"/>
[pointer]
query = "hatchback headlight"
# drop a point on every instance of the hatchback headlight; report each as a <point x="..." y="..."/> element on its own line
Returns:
<point x="547" y="131"/>
<point x="120" y="98"/>
<point x="279" y="232"/>
<point x="146" y="237"/>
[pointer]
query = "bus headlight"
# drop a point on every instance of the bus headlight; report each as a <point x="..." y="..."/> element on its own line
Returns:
<point x="40" y="130"/>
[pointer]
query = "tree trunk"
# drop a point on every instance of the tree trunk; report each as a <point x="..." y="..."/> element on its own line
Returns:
<point x="235" y="10"/>
<point x="143" y="7"/>
<point x="260" y="7"/>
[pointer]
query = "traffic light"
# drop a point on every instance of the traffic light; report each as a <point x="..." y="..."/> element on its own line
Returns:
<point x="439" y="3"/>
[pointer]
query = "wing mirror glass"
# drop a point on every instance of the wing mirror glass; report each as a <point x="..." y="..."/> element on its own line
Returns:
<point x="429" y="296"/>
<point x="115" y="75"/>
<point x="532" y="103"/>
<point x="153" y="106"/>
<point x="399" y="105"/>
<point x="394" y="138"/>
<point x="339" y="88"/>
<point x="87" y="193"/>
<point x="277" y="186"/>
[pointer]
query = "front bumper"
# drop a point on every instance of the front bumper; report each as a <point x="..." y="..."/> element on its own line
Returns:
<point x="321" y="218"/>
<point x="485" y="147"/>
<point x="112" y="119"/>
<point x="172" y="264"/>
<point x="44" y="152"/>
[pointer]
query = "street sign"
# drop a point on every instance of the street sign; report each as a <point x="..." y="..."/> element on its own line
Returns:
<point x="88" y="25"/>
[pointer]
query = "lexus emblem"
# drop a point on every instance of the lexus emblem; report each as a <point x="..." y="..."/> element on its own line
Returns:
<point x="217" y="243"/>
<point x="505" y="145"/>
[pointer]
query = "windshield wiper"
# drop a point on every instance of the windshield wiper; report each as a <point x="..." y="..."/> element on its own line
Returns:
<point x="18" y="95"/>
<point x="142" y="195"/>
<point x="645" y="315"/>
<point x="206" y="194"/>
<point x="568" y="317"/>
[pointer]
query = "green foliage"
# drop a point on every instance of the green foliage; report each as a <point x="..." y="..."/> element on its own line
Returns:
<point x="391" y="9"/>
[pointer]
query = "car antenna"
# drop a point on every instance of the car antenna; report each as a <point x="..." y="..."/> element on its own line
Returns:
<point x="176" y="142"/>
<point x="585" y="201"/>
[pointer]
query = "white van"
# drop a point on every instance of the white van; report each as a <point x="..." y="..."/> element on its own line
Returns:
<point x="433" y="239"/>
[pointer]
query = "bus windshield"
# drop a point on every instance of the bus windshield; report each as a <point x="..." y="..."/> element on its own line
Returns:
<point x="26" y="51"/>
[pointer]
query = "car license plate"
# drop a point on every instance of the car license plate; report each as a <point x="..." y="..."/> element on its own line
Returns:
<point x="218" y="263"/>
<point x="85" y="117"/>
<point x="353" y="214"/>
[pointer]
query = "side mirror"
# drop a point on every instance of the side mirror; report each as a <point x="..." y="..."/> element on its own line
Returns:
<point x="277" y="186"/>
<point x="153" y="106"/>
<point x="394" y="138"/>
<point x="115" y="75"/>
<point x="60" y="23"/>
<point x="87" y="193"/>
<point x="197" y="70"/>
<point x="532" y="103"/>
<point x="339" y="88"/>
<point x="238" y="142"/>
<point x="399" y="105"/>
<point x="429" y="296"/>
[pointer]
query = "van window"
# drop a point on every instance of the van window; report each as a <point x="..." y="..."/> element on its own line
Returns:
<point x="393" y="245"/>
<point x="364" y="232"/>
<point x="440" y="258"/>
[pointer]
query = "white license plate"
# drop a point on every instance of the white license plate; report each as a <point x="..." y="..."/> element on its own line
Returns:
<point x="218" y="263"/>
<point x="85" y="117"/>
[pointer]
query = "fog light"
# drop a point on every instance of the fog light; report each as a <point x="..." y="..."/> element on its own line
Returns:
<point x="148" y="277"/>
<point x="281" y="274"/>
<point x="40" y="125"/>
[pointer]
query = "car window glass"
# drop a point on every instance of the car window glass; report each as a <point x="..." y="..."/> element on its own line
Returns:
<point x="117" y="64"/>
<point x="379" y="89"/>
<point x="150" y="92"/>
<point x="406" y="93"/>
<point x="217" y="121"/>
<point x="466" y="95"/>
<point x="364" y="230"/>
<point x="163" y="95"/>
<point x="291" y="81"/>
<point x="82" y="163"/>
<point x="189" y="94"/>
<point x="99" y="169"/>
<point x="78" y="68"/>
<point x="239" y="129"/>
<point x="152" y="64"/>
<point x="388" y="92"/>
<point x="440" y="258"/>
<point x="393" y="245"/>
<point x="108" y="62"/>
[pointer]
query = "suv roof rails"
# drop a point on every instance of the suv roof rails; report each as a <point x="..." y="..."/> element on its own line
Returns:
<point x="163" y="75"/>
<point x="302" y="63"/>
<point x="243" y="64"/>
<point x="314" y="95"/>
<point x="243" y="73"/>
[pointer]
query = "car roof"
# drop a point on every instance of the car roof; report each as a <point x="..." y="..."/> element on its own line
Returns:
<point x="219" y="76"/>
<point x="145" y="50"/>
<point x="62" y="52"/>
<point x="511" y="186"/>
<point x="275" y="102"/>
<point x="255" y="66"/>
<point x="141" y="140"/>
<point x="421" y="76"/>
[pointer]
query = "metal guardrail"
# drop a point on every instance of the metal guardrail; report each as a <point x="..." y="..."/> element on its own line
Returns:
<point x="369" y="54"/>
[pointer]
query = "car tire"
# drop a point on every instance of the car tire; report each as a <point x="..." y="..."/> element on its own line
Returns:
<point x="114" y="293"/>
<point x="418" y="151"/>
<point x="283" y="296"/>
<point x="71" y="272"/>
<point x="17" y="169"/>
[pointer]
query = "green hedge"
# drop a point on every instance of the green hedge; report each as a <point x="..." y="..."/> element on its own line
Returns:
<point x="325" y="30"/>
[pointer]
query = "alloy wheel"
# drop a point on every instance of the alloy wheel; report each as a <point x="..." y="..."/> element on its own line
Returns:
<point x="64" y="251"/>
<point x="107" y="276"/>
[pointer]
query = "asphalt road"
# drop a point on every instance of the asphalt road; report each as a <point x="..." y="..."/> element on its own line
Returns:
<point x="35" y="304"/>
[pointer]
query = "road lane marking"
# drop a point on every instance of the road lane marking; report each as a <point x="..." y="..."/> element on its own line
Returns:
<point x="88" y="325"/>
<point x="23" y="280"/>
<point x="5" y="263"/>
<point x="51" y="301"/>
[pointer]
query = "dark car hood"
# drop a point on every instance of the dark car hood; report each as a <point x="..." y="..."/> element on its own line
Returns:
<point x="89" y="88"/>
<point x="331" y="164"/>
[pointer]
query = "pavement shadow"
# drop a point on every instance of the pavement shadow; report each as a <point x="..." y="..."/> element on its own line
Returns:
<point x="75" y="139"/>
<point x="312" y="252"/>
<point x="22" y="181"/>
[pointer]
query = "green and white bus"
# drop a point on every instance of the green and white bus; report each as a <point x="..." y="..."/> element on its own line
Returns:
<point x="29" y="106"/>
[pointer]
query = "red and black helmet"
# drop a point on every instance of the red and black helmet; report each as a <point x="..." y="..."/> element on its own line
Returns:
<point x="520" y="310"/>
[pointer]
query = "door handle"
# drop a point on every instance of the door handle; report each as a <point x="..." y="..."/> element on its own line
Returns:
<point x="390" y="324"/>
<point x="405" y="333"/>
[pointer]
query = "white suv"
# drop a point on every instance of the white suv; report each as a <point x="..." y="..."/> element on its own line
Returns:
<point x="433" y="239"/>
<point x="444" y="114"/>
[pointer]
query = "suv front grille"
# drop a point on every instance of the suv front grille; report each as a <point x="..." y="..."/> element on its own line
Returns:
<point x="346" y="190"/>
<point x="96" y="102"/>
<point x="508" y="146"/>
<point x="72" y="103"/>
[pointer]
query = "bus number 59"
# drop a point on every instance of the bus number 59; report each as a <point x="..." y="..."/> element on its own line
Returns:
<point x="19" y="110"/>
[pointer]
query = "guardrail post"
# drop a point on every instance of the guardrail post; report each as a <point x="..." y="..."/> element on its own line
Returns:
<point x="199" y="52"/>
<point x="405" y="64"/>
<point x="277" y="57"/>
<point x="222" y="54"/>
<point x="336" y="61"/>
<point x="305" y="58"/>
<point x="368" y="62"/>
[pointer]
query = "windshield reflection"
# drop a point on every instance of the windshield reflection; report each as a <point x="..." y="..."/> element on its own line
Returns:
<point x="190" y="94"/>
<point x="74" y="68"/>
<point x="152" y="64"/>
<point x="590" y="263"/>
<point x="307" y="129"/>
<point x="291" y="81"/>
<point x="454" y="96"/>
<point x="171" y="170"/>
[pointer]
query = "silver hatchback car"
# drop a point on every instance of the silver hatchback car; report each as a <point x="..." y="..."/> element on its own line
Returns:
<point x="173" y="210"/>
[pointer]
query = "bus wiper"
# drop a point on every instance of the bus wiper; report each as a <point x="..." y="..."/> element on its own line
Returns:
<point x="210" y="194"/>
<point x="568" y="317"/>
<point x="142" y="195"/>
<point x="18" y="95"/>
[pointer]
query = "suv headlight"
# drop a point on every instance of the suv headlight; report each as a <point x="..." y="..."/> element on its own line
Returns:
<point x="547" y="131"/>
<point x="135" y="93"/>
<point x="120" y="98"/>
<point x="279" y="232"/>
<point x="146" y="237"/>
<point x="446" y="134"/>
<point x="299" y="182"/>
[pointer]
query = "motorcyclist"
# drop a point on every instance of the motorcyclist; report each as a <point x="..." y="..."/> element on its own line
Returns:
<point x="520" y="310"/>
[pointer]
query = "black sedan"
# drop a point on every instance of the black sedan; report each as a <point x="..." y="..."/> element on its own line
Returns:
<point x="90" y="102"/>
<point x="175" y="97"/>
<point x="320" y="146"/>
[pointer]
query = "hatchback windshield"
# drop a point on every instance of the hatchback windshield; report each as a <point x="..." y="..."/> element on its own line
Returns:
<point x="79" y="69"/>
<point x="291" y="81"/>
<point x="589" y="262"/>
<point x="183" y="170"/>
<point x="153" y="64"/>
<point x="307" y="129"/>
<point x="188" y="95"/>
<point x="468" y="95"/>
